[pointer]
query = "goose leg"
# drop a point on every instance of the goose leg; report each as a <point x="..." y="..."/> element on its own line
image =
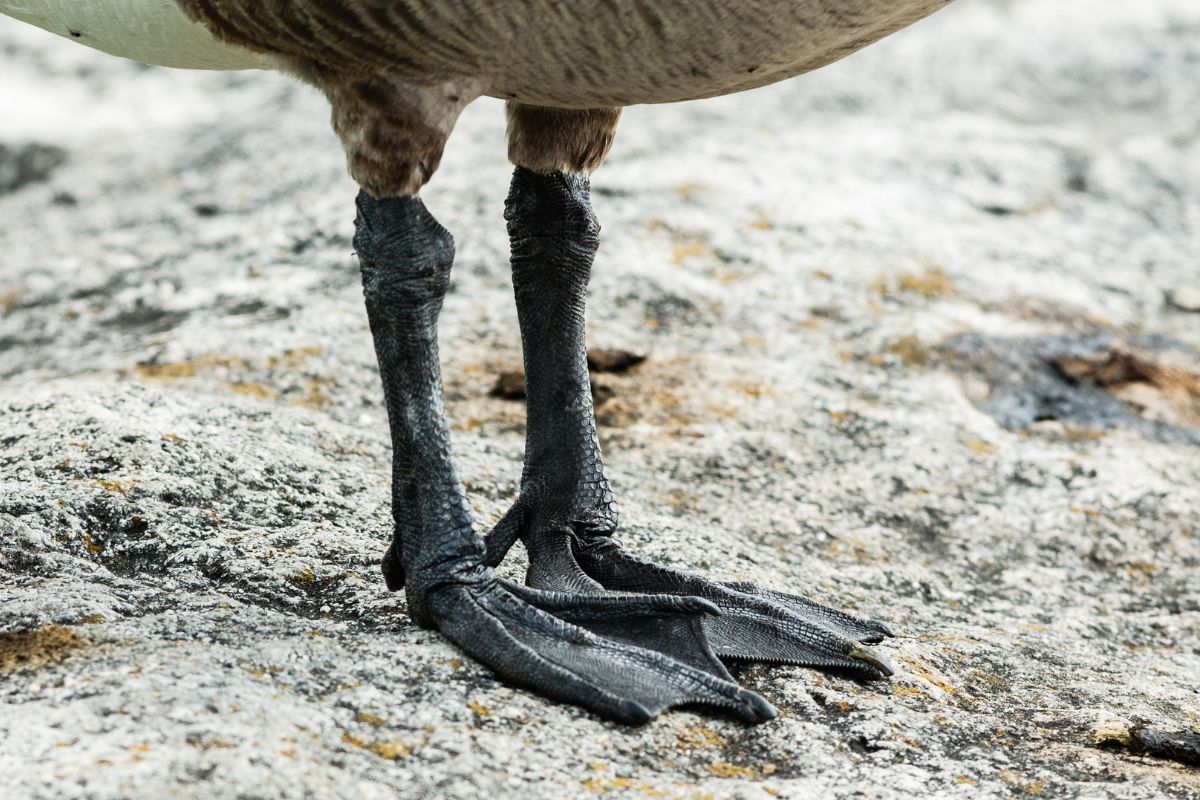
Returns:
<point x="565" y="513"/>
<point x="564" y="645"/>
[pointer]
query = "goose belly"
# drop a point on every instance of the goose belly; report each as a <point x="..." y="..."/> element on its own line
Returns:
<point x="669" y="50"/>
<point x="570" y="53"/>
<point x="150" y="31"/>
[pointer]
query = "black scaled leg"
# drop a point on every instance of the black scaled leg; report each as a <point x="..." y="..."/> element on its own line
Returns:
<point x="565" y="513"/>
<point x="556" y="643"/>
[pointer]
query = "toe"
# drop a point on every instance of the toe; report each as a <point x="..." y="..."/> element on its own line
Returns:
<point x="528" y="646"/>
<point x="759" y="624"/>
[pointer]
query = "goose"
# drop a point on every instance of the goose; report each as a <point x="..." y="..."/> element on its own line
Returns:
<point x="594" y="624"/>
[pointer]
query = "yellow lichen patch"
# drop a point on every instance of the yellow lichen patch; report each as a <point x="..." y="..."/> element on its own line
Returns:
<point x="689" y="189"/>
<point x="980" y="676"/>
<point x="315" y="395"/>
<point x="370" y="719"/>
<point x="979" y="446"/>
<point x="698" y="735"/>
<point x="1075" y="434"/>
<point x="1017" y="781"/>
<point x="1140" y="569"/>
<point x="910" y="350"/>
<point x="138" y="751"/>
<point x="291" y="359"/>
<point x="930" y="282"/>
<point x="685" y="250"/>
<point x="304" y="577"/>
<point x="189" y="369"/>
<point x="965" y="780"/>
<point x="165" y="372"/>
<point x="9" y="300"/>
<point x="754" y="342"/>
<point x="617" y="413"/>
<point x="260" y="672"/>
<point x="728" y="276"/>
<point x="215" y="743"/>
<point x="479" y="708"/>
<point x="753" y="388"/>
<point x="316" y="388"/>
<point x="723" y="769"/>
<point x="679" y="500"/>
<point x="353" y="741"/>
<point x="856" y="549"/>
<point x="605" y="785"/>
<point x="452" y="663"/>
<point x="91" y="619"/>
<point x="926" y="673"/>
<point x="761" y="221"/>
<point x="122" y="488"/>
<point x="93" y="547"/>
<point x="37" y="648"/>
<point x="254" y="390"/>
<point x="391" y="751"/>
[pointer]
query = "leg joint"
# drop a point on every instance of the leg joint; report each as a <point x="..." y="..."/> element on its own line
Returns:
<point x="555" y="206"/>
<point x="404" y="253"/>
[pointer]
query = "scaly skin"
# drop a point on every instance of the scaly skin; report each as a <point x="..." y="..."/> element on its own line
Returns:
<point x="577" y="648"/>
<point x="566" y="514"/>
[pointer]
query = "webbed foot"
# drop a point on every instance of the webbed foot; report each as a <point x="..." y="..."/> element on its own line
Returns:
<point x="566" y="512"/>
<point x="755" y="623"/>
<point x="585" y="650"/>
<point x="575" y="647"/>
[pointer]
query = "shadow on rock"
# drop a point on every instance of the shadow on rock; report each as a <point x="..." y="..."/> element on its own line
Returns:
<point x="21" y="165"/>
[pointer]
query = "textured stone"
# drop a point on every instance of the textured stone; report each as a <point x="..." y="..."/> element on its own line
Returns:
<point x="194" y="460"/>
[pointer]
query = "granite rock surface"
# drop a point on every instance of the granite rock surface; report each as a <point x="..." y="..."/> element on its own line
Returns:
<point x="918" y="345"/>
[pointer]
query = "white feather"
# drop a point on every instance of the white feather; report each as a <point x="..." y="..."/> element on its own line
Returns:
<point x="151" y="31"/>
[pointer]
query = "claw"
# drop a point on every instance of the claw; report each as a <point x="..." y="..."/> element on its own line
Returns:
<point x="634" y="713"/>
<point x="393" y="570"/>
<point x="882" y="627"/>
<point x="874" y="658"/>
<point x="759" y="704"/>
